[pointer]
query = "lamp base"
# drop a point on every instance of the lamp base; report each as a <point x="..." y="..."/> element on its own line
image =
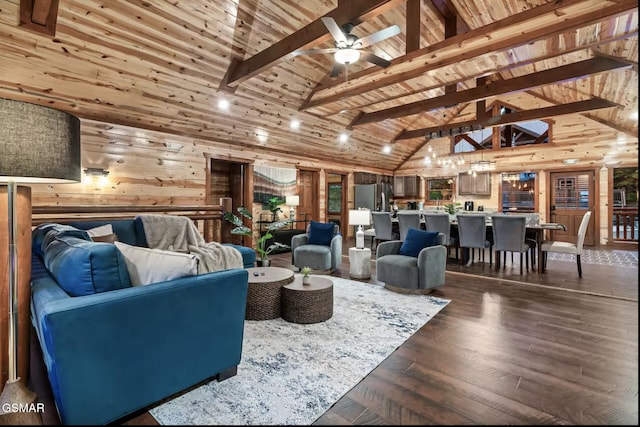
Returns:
<point x="360" y="238"/>
<point x="18" y="405"/>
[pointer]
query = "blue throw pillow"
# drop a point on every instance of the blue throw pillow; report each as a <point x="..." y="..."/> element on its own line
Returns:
<point x="417" y="240"/>
<point x="83" y="267"/>
<point x="43" y="234"/>
<point x="320" y="233"/>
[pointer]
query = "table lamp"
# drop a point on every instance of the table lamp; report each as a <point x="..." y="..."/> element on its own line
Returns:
<point x="359" y="218"/>
<point x="292" y="201"/>
<point x="37" y="145"/>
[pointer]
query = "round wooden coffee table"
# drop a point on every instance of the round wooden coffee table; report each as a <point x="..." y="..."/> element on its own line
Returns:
<point x="310" y="303"/>
<point x="263" y="295"/>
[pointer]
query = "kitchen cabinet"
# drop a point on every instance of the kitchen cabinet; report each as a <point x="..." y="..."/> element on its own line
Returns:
<point x="406" y="186"/>
<point x="479" y="185"/>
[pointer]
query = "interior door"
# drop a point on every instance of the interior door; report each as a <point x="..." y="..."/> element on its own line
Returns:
<point x="336" y="203"/>
<point x="229" y="179"/>
<point x="572" y="195"/>
<point x="308" y="192"/>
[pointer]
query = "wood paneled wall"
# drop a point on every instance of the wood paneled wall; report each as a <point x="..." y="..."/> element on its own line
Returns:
<point x="154" y="168"/>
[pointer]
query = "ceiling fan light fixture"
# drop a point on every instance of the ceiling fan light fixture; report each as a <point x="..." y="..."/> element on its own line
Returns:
<point x="347" y="56"/>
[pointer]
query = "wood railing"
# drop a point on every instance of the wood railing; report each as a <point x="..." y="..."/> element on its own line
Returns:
<point x="208" y="218"/>
<point x="625" y="224"/>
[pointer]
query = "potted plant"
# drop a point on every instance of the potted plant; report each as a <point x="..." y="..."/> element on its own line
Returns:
<point x="452" y="208"/>
<point x="262" y="249"/>
<point x="305" y="275"/>
<point x="273" y="205"/>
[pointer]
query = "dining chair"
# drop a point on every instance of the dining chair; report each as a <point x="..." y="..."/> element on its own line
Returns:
<point x="406" y="220"/>
<point x="567" y="247"/>
<point x="441" y="222"/>
<point x="383" y="226"/>
<point x="472" y="234"/>
<point x="531" y="219"/>
<point x="509" y="235"/>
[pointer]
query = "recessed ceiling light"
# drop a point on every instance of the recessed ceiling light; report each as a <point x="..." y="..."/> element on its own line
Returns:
<point x="223" y="104"/>
<point x="295" y="124"/>
<point x="343" y="137"/>
<point x="386" y="149"/>
<point x="570" y="161"/>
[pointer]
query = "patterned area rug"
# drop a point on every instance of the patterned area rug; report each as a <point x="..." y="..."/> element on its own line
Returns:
<point x="601" y="257"/>
<point x="291" y="374"/>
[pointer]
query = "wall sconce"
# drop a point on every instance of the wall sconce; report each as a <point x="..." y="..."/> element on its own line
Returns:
<point x="97" y="175"/>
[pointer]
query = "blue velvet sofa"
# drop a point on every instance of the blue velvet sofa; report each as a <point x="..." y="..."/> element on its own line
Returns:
<point x="119" y="348"/>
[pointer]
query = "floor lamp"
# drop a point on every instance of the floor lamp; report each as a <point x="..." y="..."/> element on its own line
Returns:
<point x="37" y="145"/>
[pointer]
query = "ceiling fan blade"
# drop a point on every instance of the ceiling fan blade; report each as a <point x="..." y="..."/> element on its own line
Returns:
<point x="314" y="51"/>
<point x="378" y="36"/>
<point x="336" y="70"/>
<point x="374" y="59"/>
<point x="334" y="29"/>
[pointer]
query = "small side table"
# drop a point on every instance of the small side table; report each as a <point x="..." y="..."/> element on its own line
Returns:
<point x="312" y="303"/>
<point x="360" y="263"/>
<point x="264" y="292"/>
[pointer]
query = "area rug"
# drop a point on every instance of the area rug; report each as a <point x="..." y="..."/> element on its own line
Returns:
<point x="290" y="374"/>
<point x="616" y="258"/>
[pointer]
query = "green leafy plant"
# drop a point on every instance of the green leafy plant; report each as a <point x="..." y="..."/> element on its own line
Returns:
<point x="262" y="249"/>
<point x="451" y="208"/>
<point x="273" y="205"/>
<point x="305" y="271"/>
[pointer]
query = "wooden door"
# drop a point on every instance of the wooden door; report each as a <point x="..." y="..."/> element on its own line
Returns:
<point x="308" y="192"/>
<point x="234" y="180"/>
<point x="572" y="195"/>
<point x="336" y="210"/>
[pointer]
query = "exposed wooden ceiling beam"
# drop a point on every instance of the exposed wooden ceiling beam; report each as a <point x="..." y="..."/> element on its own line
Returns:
<point x="573" y="71"/>
<point x="365" y="102"/>
<point x="412" y="18"/>
<point x="516" y="30"/>
<point x="505" y="119"/>
<point x="614" y="126"/>
<point x="469" y="140"/>
<point x="446" y="8"/>
<point x="354" y="11"/>
<point x="457" y="111"/>
<point x="39" y="16"/>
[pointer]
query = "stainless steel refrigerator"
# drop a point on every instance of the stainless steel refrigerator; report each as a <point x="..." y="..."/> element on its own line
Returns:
<point x="373" y="196"/>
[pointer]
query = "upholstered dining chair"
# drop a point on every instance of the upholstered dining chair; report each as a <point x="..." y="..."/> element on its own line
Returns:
<point x="509" y="235"/>
<point x="383" y="226"/>
<point x="320" y="248"/>
<point x="441" y="222"/>
<point x="530" y="237"/>
<point x="567" y="247"/>
<point x="406" y="220"/>
<point x="472" y="234"/>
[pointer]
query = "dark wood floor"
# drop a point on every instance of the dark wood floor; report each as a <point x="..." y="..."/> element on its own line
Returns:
<point x="508" y="349"/>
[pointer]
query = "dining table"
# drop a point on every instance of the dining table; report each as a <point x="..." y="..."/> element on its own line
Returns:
<point x="537" y="230"/>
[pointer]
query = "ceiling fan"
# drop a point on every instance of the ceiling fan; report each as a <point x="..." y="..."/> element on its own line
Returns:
<point x="348" y="46"/>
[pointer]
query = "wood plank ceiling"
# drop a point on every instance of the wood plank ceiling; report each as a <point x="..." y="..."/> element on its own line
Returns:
<point x="165" y="65"/>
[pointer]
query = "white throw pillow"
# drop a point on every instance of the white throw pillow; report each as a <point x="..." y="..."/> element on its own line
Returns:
<point x="146" y="266"/>
<point x="103" y="230"/>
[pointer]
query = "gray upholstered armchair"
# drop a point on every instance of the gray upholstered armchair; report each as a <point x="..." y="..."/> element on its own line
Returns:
<point x="317" y="256"/>
<point x="409" y="274"/>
